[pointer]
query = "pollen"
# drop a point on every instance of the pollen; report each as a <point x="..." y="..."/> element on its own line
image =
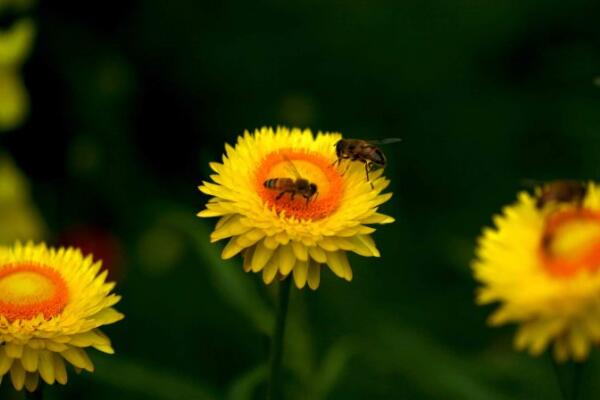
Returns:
<point x="28" y="290"/>
<point x="314" y="167"/>
<point x="571" y="242"/>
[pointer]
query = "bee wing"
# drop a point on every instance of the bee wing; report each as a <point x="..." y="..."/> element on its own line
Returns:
<point x="292" y="167"/>
<point x="531" y="183"/>
<point x="384" y="141"/>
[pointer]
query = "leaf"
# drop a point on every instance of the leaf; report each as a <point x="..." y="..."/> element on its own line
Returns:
<point x="228" y="277"/>
<point x="245" y="385"/>
<point x="433" y="369"/>
<point x="332" y="366"/>
<point x="152" y="382"/>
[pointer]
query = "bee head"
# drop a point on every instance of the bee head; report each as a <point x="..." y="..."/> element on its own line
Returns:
<point x="312" y="188"/>
<point x="339" y="147"/>
<point x="379" y="158"/>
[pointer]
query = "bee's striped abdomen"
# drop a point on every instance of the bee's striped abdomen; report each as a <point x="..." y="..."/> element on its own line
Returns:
<point x="271" y="183"/>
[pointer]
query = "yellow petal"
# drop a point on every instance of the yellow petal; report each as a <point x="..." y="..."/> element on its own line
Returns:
<point x="5" y="363"/>
<point x="364" y="246"/>
<point x="300" y="273"/>
<point x="87" y="339"/>
<point x="55" y="346"/>
<point x="271" y="243"/>
<point x="17" y="375"/>
<point x="108" y="316"/>
<point x="287" y="259"/>
<point x="382" y="198"/>
<point x="338" y="263"/>
<point x="328" y="244"/>
<point x="60" y="371"/>
<point x="300" y="250"/>
<point x="250" y="238"/>
<point x="317" y="254"/>
<point x="13" y="350"/>
<point x="314" y="275"/>
<point x="209" y="213"/>
<point x="579" y="344"/>
<point x="282" y="238"/>
<point x="260" y="257"/>
<point x="46" y="366"/>
<point x="29" y="360"/>
<point x="78" y="358"/>
<point x="215" y="166"/>
<point x="247" y="265"/>
<point x="370" y="243"/>
<point x="232" y="227"/>
<point x="231" y="249"/>
<point x="377" y="218"/>
<point x="31" y="381"/>
<point x="269" y="272"/>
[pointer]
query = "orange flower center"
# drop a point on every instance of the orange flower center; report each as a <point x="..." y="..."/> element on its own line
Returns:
<point x="27" y="290"/>
<point x="285" y="169"/>
<point x="571" y="242"/>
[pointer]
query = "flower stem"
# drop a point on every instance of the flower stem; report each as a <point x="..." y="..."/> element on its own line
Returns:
<point x="37" y="394"/>
<point x="276" y="352"/>
<point x="577" y="378"/>
<point x="569" y="377"/>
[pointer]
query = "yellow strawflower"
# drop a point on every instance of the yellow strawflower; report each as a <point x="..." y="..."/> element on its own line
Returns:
<point x="541" y="263"/>
<point x="278" y="235"/>
<point x="52" y="302"/>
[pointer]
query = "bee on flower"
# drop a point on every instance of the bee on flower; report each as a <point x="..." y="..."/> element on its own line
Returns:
<point x="52" y="304"/>
<point x="287" y="235"/>
<point x="541" y="263"/>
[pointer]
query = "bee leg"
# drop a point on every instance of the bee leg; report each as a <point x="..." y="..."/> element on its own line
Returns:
<point x="280" y="195"/>
<point x="347" y="168"/>
<point x="367" y="169"/>
<point x="293" y="194"/>
<point x="307" y="199"/>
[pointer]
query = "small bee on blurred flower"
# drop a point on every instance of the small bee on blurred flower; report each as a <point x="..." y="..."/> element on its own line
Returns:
<point x="541" y="263"/>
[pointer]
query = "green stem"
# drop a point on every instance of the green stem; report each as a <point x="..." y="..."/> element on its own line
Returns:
<point x="559" y="379"/>
<point x="276" y="352"/>
<point x="37" y="394"/>
<point x="569" y="377"/>
<point x="577" y="378"/>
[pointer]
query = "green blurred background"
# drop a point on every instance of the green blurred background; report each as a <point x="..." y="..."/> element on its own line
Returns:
<point x="130" y="100"/>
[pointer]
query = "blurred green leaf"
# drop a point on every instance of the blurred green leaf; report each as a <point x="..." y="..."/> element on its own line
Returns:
<point x="244" y="386"/>
<point x="236" y="288"/>
<point x="332" y="367"/>
<point x="153" y="382"/>
<point x="434" y="370"/>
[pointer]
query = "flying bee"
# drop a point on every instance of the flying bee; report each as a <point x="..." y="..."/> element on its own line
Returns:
<point x="299" y="185"/>
<point x="561" y="191"/>
<point x="365" y="151"/>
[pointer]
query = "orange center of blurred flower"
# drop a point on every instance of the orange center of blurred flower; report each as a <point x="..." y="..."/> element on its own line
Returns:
<point x="571" y="242"/>
<point x="285" y="164"/>
<point x="27" y="290"/>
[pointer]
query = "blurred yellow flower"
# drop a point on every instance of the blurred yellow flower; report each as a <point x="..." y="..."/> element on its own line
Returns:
<point x="282" y="235"/>
<point x="15" y="46"/>
<point x="541" y="263"/>
<point x="20" y="219"/>
<point x="14" y="101"/>
<point x="52" y="302"/>
<point x="16" y="43"/>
